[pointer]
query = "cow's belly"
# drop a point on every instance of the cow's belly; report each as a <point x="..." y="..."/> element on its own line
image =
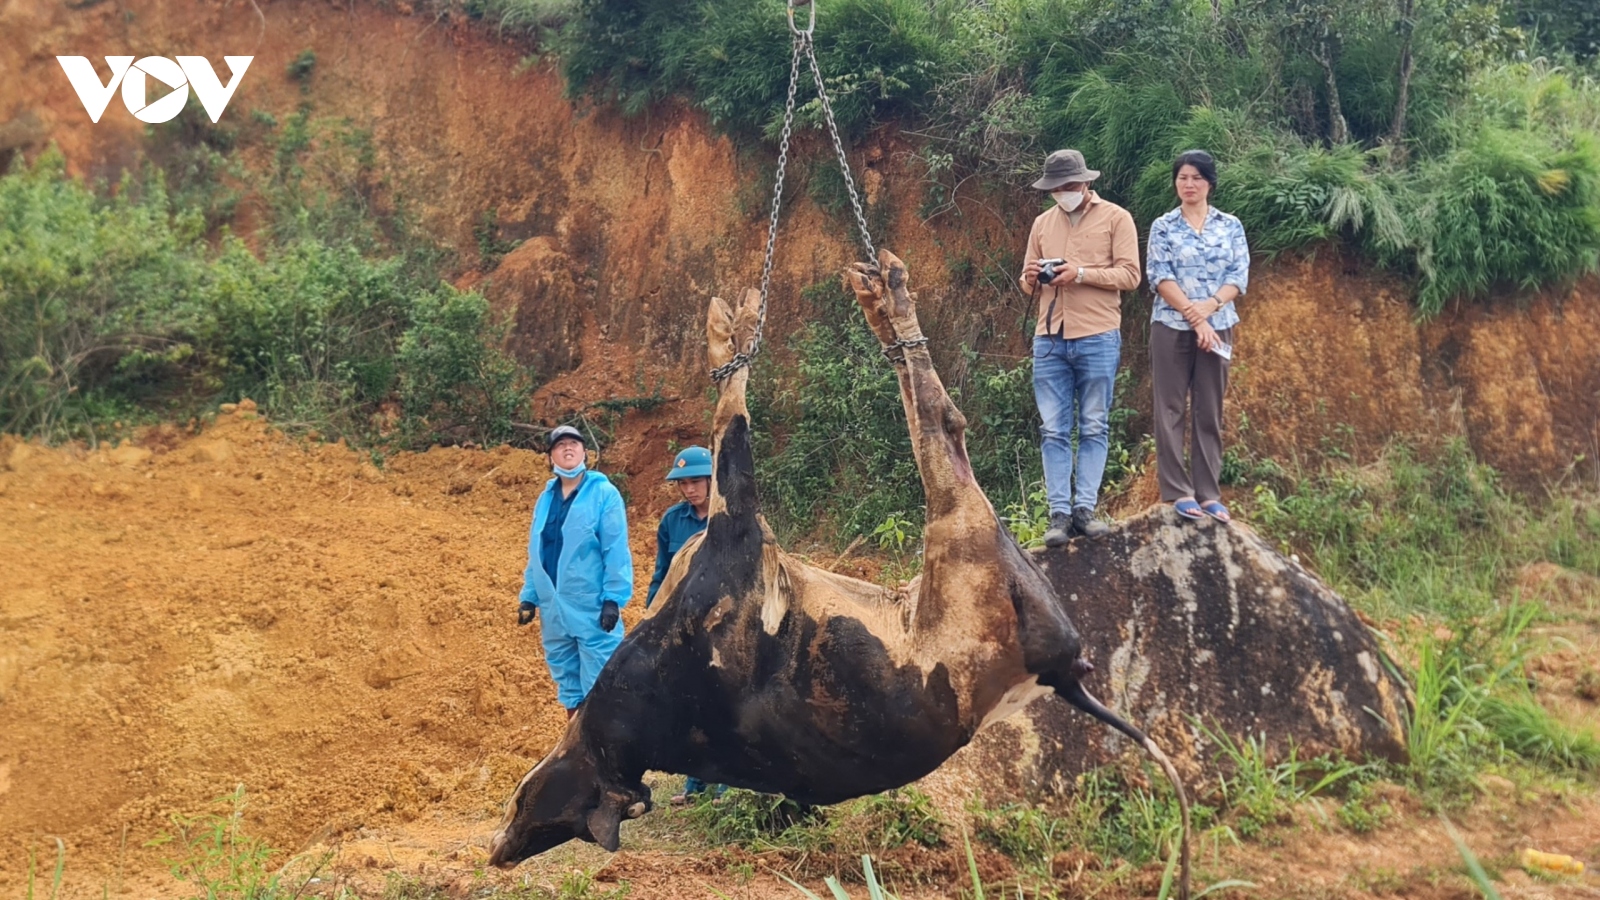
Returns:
<point x="826" y="715"/>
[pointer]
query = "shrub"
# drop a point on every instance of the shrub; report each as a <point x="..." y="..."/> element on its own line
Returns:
<point x="1507" y="208"/>
<point x="109" y="302"/>
<point x="84" y="282"/>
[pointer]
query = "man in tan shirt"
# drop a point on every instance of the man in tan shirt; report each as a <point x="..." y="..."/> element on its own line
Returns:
<point x="1091" y="247"/>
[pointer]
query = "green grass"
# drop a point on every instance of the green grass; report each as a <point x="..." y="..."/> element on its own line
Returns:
<point x="1434" y="532"/>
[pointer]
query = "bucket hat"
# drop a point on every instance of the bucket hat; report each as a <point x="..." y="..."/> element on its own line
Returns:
<point x="1062" y="167"/>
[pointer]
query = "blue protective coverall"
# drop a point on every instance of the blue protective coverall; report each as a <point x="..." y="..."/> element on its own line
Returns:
<point x="594" y="566"/>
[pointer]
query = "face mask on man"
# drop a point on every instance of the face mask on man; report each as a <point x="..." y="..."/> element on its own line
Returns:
<point x="1069" y="200"/>
<point x="573" y="472"/>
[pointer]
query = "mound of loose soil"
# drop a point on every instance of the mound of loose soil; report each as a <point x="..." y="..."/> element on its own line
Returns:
<point x="201" y="611"/>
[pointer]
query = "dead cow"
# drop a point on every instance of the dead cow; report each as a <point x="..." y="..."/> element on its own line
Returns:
<point x="763" y="672"/>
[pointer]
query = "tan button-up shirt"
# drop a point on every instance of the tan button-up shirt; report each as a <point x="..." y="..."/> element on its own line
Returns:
<point x="1106" y="244"/>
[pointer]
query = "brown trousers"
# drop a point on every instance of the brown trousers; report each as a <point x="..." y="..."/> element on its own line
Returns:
<point x="1183" y="371"/>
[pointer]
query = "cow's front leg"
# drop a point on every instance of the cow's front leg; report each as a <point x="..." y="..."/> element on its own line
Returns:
<point x="730" y="335"/>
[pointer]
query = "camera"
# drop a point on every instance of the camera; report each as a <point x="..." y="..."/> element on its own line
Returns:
<point x="1047" y="270"/>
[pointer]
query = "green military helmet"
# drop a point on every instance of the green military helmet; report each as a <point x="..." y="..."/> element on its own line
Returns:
<point x="691" y="462"/>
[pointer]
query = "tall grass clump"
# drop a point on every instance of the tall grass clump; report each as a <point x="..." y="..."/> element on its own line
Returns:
<point x="1507" y="209"/>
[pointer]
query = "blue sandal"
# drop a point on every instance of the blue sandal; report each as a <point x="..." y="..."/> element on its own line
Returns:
<point x="1217" y="511"/>
<point x="1189" y="509"/>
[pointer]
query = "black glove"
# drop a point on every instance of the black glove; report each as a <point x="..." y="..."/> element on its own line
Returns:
<point x="608" y="615"/>
<point x="525" y="612"/>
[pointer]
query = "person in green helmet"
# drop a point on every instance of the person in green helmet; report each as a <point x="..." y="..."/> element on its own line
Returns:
<point x="691" y="471"/>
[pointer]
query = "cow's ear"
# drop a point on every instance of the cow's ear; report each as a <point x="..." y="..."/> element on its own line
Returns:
<point x="604" y="822"/>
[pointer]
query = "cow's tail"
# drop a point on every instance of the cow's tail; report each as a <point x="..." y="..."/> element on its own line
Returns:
<point x="1073" y="692"/>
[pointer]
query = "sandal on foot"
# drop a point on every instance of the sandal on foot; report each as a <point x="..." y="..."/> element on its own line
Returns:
<point x="1217" y="511"/>
<point x="1189" y="509"/>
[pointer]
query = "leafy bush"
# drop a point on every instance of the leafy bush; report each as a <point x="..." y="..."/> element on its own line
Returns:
<point x="112" y="300"/>
<point x="82" y="284"/>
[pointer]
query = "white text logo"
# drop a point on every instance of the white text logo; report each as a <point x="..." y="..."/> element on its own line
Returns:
<point x="188" y="72"/>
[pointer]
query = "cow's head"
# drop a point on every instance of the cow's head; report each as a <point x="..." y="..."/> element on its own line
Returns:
<point x="564" y="797"/>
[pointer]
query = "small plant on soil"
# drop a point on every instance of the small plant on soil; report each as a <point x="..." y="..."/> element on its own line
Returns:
<point x="216" y="856"/>
<point x="1258" y="793"/>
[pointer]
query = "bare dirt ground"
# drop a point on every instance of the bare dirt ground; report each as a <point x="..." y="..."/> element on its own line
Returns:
<point x="193" y="611"/>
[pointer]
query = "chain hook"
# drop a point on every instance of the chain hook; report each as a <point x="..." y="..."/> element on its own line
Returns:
<point x="811" y="8"/>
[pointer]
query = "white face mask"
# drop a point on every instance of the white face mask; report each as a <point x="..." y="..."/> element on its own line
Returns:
<point x="1069" y="200"/>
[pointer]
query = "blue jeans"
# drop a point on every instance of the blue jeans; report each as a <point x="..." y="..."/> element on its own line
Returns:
<point x="1072" y="383"/>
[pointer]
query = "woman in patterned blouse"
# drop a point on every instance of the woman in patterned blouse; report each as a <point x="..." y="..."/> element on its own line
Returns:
<point x="1198" y="263"/>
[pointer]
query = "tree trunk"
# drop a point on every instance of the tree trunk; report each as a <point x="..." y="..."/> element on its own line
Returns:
<point x="1338" y="131"/>
<point x="1397" y="128"/>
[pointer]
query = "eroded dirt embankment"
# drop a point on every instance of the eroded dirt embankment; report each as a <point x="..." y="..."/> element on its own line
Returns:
<point x="627" y="225"/>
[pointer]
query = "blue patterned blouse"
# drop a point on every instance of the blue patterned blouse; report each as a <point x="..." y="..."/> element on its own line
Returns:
<point x="1200" y="263"/>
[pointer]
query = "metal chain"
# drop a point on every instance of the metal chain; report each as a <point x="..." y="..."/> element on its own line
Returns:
<point x="743" y="359"/>
<point x="802" y="44"/>
<point x="838" y="148"/>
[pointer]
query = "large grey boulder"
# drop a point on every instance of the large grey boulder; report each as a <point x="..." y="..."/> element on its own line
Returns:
<point x="1198" y="620"/>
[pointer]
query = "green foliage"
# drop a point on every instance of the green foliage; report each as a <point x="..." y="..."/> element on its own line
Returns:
<point x="875" y="889"/>
<point x="1405" y="534"/>
<point x="113" y="301"/>
<point x="757" y="821"/>
<point x="835" y="448"/>
<point x="301" y="67"/>
<point x="1463" y="202"/>
<point x="1108" y="817"/>
<point x="450" y="382"/>
<point x="897" y="818"/>
<point x="1362" y="810"/>
<point x="835" y="445"/>
<point x="1528" y="730"/>
<point x="82" y="281"/>
<point x="216" y="856"/>
<point x="1480" y="878"/>
<point x="1259" y="793"/>
<point x="1507" y="207"/>
<point x="55" y="878"/>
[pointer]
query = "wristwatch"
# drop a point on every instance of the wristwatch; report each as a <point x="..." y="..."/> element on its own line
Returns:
<point x="1079" y="279"/>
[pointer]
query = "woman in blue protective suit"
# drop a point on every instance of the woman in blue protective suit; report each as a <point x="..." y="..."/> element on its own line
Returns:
<point x="580" y="573"/>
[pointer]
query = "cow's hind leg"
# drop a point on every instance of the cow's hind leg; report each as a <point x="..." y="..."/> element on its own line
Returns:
<point x="938" y="429"/>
